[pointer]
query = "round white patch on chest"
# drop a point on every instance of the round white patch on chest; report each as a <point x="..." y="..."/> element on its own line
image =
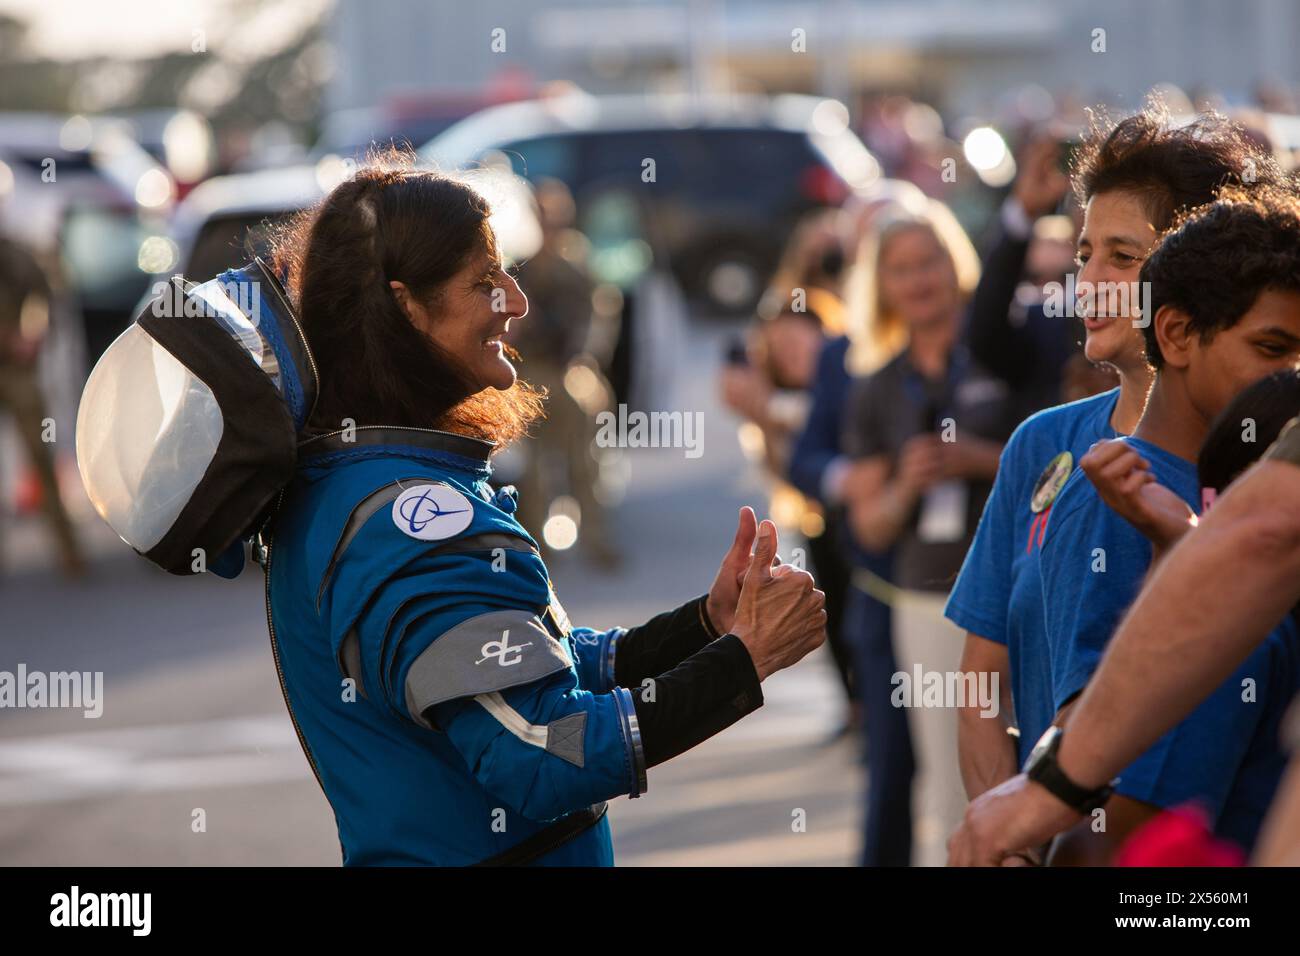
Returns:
<point x="432" y="512"/>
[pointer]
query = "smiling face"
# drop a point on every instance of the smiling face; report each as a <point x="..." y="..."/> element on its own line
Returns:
<point x="470" y="318"/>
<point x="1117" y="236"/>
<point x="917" y="278"/>
<point x="1266" y="339"/>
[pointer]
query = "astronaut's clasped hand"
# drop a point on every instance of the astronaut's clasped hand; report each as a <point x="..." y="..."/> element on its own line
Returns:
<point x="781" y="615"/>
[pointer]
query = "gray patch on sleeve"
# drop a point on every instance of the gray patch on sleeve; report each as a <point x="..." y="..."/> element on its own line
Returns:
<point x="566" y="737"/>
<point x="484" y="654"/>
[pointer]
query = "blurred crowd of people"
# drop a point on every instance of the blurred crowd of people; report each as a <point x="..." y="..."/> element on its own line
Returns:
<point x="25" y="302"/>
<point x="990" y="454"/>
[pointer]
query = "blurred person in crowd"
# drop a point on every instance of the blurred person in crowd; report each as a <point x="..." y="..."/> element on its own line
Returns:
<point x="1131" y="181"/>
<point x="816" y="467"/>
<point x="772" y="381"/>
<point x="1010" y="333"/>
<point x="771" y="386"/>
<point x="553" y="345"/>
<point x="767" y="376"/>
<point x="813" y="260"/>
<point x="1225" y="307"/>
<point x="908" y="138"/>
<point x="24" y="318"/>
<point x="819" y="468"/>
<point x="924" y="428"/>
<point x="884" y="129"/>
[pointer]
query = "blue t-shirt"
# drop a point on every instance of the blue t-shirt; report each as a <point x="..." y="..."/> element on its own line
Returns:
<point x="998" y="595"/>
<point x="1225" y="754"/>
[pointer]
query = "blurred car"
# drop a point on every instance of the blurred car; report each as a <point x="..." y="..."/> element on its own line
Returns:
<point x="731" y="176"/>
<point x="180" y="139"/>
<point x="400" y="119"/>
<point x="223" y="222"/>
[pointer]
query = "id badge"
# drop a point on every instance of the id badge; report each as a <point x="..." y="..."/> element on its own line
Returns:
<point x="943" y="513"/>
<point x="556" y="610"/>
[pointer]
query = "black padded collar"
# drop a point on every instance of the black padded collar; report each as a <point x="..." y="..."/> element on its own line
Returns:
<point x="366" y="436"/>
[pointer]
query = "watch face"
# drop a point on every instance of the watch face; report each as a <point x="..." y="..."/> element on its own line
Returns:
<point x="1041" y="748"/>
<point x="1035" y="755"/>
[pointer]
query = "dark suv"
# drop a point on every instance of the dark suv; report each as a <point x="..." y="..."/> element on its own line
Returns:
<point x="730" y="178"/>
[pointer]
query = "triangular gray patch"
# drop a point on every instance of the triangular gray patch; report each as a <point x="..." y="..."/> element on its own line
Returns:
<point x="564" y="738"/>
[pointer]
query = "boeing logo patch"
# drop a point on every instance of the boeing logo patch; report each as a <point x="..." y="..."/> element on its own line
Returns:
<point x="432" y="512"/>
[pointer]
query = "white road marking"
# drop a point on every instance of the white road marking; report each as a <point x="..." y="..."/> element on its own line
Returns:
<point x="212" y="753"/>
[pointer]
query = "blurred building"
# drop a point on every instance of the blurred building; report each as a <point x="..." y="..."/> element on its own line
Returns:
<point x="960" y="56"/>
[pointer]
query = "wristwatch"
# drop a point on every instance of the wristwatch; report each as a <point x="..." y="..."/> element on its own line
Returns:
<point x="1042" y="768"/>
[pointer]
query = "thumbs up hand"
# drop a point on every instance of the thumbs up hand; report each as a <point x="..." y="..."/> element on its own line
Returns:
<point x="780" y="614"/>
<point x="721" y="603"/>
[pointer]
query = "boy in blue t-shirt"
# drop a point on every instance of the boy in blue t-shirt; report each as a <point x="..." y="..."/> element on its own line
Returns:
<point x="1008" y="608"/>
<point x="1225" y="314"/>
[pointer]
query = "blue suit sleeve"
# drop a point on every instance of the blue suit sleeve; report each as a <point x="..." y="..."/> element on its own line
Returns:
<point x="546" y="748"/>
<point x="595" y="652"/>
<point x="459" y="649"/>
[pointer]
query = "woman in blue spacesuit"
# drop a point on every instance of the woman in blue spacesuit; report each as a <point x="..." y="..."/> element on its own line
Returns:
<point x="448" y="708"/>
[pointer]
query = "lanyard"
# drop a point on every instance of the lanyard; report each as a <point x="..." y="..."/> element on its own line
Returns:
<point x="933" y="405"/>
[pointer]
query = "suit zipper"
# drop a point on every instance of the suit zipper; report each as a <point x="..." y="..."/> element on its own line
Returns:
<point x="264" y="546"/>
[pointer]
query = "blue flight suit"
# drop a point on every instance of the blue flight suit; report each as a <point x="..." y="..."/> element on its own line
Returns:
<point x="448" y="707"/>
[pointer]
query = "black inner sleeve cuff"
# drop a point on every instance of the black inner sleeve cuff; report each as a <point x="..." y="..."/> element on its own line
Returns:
<point x="704" y="694"/>
<point x="661" y="643"/>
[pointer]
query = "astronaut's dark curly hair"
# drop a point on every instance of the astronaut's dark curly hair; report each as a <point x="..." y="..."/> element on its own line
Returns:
<point x="1169" y="167"/>
<point x="1215" y="260"/>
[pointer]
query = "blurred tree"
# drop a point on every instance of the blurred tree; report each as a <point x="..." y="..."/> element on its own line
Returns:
<point x="283" y="86"/>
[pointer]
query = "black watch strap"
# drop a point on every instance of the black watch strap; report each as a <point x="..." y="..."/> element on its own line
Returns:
<point x="1043" y="769"/>
<point x="1083" y="800"/>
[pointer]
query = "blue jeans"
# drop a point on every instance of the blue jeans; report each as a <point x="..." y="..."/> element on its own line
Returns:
<point x="887" y="821"/>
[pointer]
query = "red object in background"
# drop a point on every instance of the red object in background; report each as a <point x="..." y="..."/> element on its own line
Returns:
<point x="823" y="185"/>
<point x="28" y="496"/>
<point x="1179" y="837"/>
